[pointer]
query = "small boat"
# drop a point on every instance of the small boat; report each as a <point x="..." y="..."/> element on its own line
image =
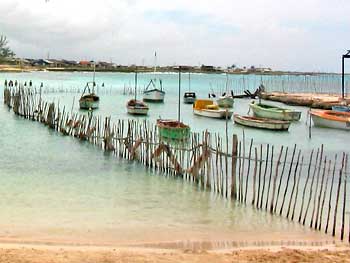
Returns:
<point x="172" y="129"/>
<point x="89" y="100"/>
<point x="274" y="112"/>
<point x="207" y="108"/>
<point x="341" y="108"/>
<point x="134" y="106"/>
<point x="262" y="123"/>
<point x="154" y="94"/>
<point x="225" y="101"/>
<point x="189" y="97"/>
<point x="137" y="107"/>
<point x="331" y="119"/>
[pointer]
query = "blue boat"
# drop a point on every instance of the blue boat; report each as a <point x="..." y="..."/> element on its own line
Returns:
<point x="341" y="108"/>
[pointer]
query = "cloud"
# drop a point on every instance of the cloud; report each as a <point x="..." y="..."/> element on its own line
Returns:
<point x="281" y="34"/>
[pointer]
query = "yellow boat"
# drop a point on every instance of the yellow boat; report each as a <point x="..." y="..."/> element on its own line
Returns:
<point x="207" y="108"/>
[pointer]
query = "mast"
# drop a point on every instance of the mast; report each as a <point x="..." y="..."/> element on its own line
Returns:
<point x="135" y="83"/>
<point x="189" y="80"/>
<point x="93" y="78"/>
<point x="178" y="113"/>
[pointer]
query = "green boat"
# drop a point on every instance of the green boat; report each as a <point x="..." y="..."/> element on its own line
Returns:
<point x="274" y="112"/>
<point x="174" y="130"/>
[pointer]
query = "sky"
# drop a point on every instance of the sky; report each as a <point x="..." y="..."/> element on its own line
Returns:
<point x="308" y="35"/>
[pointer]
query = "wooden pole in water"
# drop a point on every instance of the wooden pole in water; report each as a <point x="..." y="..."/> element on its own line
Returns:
<point x="242" y="170"/>
<point x="294" y="183"/>
<point x="320" y="194"/>
<point x="311" y="187"/>
<point x="305" y="186"/>
<point x="297" y="190"/>
<point x="268" y="188"/>
<point x="317" y="180"/>
<point x="265" y="171"/>
<point x="275" y="180"/>
<point x="286" y="188"/>
<point x="234" y="163"/>
<point x="338" y="193"/>
<point x="324" y="194"/>
<point x="248" y="170"/>
<point x="254" y="175"/>
<point x="344" y="201"/>
<point x="259" y="178"/>
<point x="280" y="182"/>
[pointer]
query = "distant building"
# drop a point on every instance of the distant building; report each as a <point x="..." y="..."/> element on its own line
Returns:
<point x="207" y="68"/>
<point x="86" y="63"/>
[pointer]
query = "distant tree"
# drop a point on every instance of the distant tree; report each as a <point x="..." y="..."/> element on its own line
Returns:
<point x="5" y="51"/>
<point x="233" y="66"/>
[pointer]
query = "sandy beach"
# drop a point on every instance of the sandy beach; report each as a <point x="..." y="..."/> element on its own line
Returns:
<point x="16" y="253"/>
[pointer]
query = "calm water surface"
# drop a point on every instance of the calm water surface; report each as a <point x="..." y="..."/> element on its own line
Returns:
<point x="57" y="188"/>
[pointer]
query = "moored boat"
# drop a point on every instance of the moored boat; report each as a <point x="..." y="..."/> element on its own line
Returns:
<point x="274" y="112"/>
<point x="207" y="108"/>
<point x="189" y="97"/>
<point x="137" y="107"/>
<point x="341" y="108"/>
<point x="225" y="101"/>
<point x="134" y="106"/>
<point x="172" y="129"/>
<point x="89" y="100"/>
<point x="261" y="123"/>
<point x="331" y="119"/>
<point x="155" y="94"/>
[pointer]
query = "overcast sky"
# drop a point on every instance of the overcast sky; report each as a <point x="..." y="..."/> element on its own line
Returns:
<point x="308" y="35"/>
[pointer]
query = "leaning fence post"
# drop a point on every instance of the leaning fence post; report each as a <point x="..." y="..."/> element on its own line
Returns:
<point x="234" y="164"/>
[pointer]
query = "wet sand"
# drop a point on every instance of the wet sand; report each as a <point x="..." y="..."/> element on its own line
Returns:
<point x="63" y="254"/>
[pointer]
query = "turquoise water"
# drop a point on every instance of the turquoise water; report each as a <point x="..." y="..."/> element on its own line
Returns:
<point x="57" y="188"/>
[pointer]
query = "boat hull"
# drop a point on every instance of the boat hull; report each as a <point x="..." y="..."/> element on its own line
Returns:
<point x="189" y="100"/>
<point x="262" y="123"/>
<point x="225" y="102"/>
<point x="321" y="121"/>
<point x="88" y="104"/>
<point x="275" y="113"/>
<point x="341" y="108"/>
<point x="154" y="95"/>
<point x="177" y="132"/>
<point x="137" y="110"/>
<point x="217" y="114"/>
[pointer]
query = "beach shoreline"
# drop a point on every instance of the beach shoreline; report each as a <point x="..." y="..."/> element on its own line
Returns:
<point x="30" y="253"/>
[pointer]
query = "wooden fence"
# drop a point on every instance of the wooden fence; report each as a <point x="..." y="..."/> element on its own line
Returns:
<point x="308" y="188"/>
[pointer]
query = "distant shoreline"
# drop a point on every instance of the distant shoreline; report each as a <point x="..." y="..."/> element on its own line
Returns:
<point x="18" y="69"/>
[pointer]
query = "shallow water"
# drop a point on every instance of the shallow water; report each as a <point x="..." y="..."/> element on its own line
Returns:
<point x="55" y="188"/>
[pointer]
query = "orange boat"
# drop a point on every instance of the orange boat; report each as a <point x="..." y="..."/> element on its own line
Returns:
<point x="331" y="119"/>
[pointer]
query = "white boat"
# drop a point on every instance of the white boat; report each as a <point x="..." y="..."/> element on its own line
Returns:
<point x="136" y="107"/>
<point x="225" y="101"/>
<point x="154" y="94"/>
<point x="331" y="119"/>
<point x="261" y="123"/>
<point x="207" y="108"/>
